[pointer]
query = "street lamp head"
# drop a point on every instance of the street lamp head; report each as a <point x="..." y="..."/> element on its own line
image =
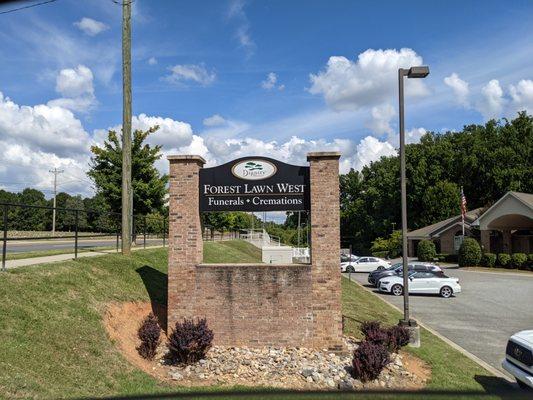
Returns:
<point x="418" y="72"/>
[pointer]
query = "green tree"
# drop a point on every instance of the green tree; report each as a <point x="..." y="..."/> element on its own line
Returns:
<point x="30" y="218"/>
<point x="69" y="218"/>
<point x="149" y="186"/>
<point x="487" y="160"/>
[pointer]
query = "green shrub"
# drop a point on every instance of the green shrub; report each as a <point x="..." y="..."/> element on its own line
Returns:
<point x="488" y="260"/>
<point x="504" y="260"/>
<point x="451" y="258"/>
<point x="518" y="260"/>
<point x="441" y="257"/>
<point x="530" y="260"/>
<point x="469" y="253"/>
<point x="380" y="254"/>
<point x="426" y="250"/>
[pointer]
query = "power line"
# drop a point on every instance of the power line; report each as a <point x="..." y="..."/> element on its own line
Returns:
<point x="29" y="6"/>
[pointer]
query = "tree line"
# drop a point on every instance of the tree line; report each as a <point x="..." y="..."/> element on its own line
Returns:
<point x="486" y="160"/>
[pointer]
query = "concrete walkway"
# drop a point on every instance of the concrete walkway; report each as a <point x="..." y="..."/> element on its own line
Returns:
<point x="11" y="264"/>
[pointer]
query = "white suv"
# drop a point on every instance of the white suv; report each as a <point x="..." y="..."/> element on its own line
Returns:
<point x="519" y="358"/>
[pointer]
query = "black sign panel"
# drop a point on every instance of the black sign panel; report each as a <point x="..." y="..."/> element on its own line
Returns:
<point x="254" y="184"/>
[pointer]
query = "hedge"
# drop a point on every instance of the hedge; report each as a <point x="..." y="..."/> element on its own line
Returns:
<point x="426" y="250"/>
<point x="504" y="260"/>
<point x="488" y="260"/>
<point x="518" y="260"/>
<point x="469" y="253"/>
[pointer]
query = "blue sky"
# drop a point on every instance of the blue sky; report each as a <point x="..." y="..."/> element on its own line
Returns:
<point x="232" y="78"/>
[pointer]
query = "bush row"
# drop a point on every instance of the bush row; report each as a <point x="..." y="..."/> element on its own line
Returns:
<point x="512" y="261"/>
<point x="470" y="255"/>
<point x="373" y="354"/>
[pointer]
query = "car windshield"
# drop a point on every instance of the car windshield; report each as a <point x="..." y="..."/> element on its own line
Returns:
<point x="394" y="266"/>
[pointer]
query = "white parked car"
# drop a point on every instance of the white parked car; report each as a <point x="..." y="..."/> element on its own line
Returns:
<point x="348" y="257"/>
<point x="519" y="358"/>
<point x="364" y="264"/>
<point x="421" y="282"/>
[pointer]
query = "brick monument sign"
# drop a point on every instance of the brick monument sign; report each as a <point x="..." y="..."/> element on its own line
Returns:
<point x="257" y="304"/>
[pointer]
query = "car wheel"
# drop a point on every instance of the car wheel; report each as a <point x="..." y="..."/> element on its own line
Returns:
<point x="523" y="386"/>
<point x="350" y="268"/>
<point x="381" y="268"/>
<point x="397" y="290"/>
<point x="446" y="291"/>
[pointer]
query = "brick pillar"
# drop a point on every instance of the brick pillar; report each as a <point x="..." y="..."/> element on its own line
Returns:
<point x="485" y="240"/>
<point x="185" y="246"/>
<point x="325" y="249"/>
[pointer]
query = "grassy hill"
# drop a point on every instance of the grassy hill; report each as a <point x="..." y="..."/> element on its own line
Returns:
<point x="53" y="343"/>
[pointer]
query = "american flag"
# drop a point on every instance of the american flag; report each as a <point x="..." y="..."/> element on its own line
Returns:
<point x="463" y="203"/>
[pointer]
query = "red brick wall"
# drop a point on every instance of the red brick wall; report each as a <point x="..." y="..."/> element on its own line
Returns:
<point x="256" y="305"/>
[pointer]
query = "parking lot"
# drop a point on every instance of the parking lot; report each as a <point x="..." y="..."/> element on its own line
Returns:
<point x="491" y="307"/>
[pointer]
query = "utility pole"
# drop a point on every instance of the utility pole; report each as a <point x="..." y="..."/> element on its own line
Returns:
<point x="127" y="193"/>
<point x="55" y="171"/>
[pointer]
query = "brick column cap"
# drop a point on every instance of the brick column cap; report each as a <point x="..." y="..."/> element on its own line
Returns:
<point x="323" y="154"/>
<point x="186" y="158"/>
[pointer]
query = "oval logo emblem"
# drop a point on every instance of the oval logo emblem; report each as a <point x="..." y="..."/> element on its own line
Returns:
<point x="254" y="170"/>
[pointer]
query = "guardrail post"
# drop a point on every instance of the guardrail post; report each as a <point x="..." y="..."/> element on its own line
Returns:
<point x="76" y="237"/>
<point x="144" y="232"/>
<point x="164" y="230"/>
<point x="4" y="244"/>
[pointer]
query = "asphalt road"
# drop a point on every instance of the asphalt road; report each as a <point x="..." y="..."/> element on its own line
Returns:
<point x="59" y="244"/>
<point x="491" y="307"/>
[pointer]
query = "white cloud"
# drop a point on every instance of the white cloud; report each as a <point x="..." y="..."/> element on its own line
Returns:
<point x="492" y="101"/>
<point x="171" y="134"/>
<point x="369" y="150"/>
<point x="380" y="121"/>
<point x="522" y="95"/>
<point x="23" y="166"/>
<point x="370" y="80"/>
<point x="42" y="127"/>
<point x="76" y="87"/>
<point x="191" y="72"/>
<point x="460" y="88"/>
<point x="243" y="35"/>
<point x="90" y="26"/>
<point x="214" y="120"/>
<point x="414" y="135"/>
<point x="152" y="61"/>
<point x="271" y="82"/>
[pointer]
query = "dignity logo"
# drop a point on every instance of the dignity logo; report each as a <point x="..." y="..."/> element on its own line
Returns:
<point x="253" y="170"/>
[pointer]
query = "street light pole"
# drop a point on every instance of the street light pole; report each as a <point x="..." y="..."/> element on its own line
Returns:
<point x="413" y="72"/>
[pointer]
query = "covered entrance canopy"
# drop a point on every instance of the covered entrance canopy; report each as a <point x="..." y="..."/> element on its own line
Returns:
<point x="507" y="226"/>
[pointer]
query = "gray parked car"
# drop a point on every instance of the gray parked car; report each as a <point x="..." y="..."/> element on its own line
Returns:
<point x="395" y="269"/>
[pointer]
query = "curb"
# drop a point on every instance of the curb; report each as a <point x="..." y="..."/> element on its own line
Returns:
<point x="463" y="351"/>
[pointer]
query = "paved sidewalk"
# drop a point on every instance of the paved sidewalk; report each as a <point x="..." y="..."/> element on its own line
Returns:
<point x="11" y="264"/>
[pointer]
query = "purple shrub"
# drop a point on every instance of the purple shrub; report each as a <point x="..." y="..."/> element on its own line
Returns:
<point x="149" y="333"/>
<point x="369" y="359"/>
<point x="374" y="333"/>
<point x="190" y="341"/>
<point x="397" y="337"/>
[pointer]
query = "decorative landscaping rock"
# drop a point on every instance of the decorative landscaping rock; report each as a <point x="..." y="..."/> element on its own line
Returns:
<point x="296" y="368"/>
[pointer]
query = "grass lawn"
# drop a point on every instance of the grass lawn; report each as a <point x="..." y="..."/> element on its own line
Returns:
<point x="53" y="343"/>
<point x="231" y="251"/>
